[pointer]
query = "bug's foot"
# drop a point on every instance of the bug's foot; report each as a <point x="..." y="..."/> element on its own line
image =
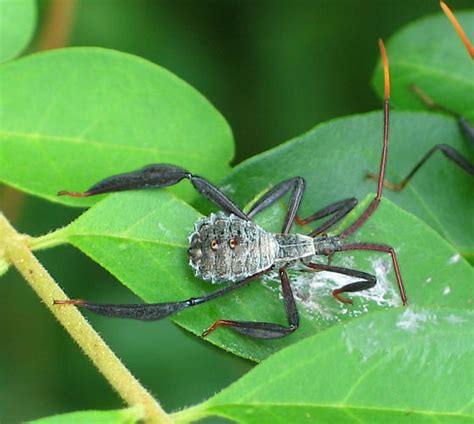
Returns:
<point x="387" y="184"/>
<point x="78" y="302"/>
<point x="337" y="295"/>
<point x="205" y="333"/>
<point x="371" y="176"/>
<point x="300" y="221"/>
<point x="74" y="193"/>
<point x="215" y="326"/>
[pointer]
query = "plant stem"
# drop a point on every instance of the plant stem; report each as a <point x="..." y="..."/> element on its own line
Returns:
<point x="51" y="239"/>
<point x="190" y="415"/>
<point x="14" y="246"/>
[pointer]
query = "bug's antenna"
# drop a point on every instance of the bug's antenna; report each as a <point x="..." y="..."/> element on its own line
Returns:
<point x="457" y="26"/>
<point x="386" y="110"/>
<point x="383" y="160"/>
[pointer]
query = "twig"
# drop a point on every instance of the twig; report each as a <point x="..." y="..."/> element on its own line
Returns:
<point x="13" y="245"/>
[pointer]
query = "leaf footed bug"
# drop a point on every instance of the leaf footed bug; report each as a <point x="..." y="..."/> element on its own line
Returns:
<point x="229" y="247"/>
<point x="466" y="127"/>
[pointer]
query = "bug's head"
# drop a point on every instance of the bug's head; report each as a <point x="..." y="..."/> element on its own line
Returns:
<point x="203" y="248"/>
<point x="205" y="243"/>
<point x="195" y="250"/>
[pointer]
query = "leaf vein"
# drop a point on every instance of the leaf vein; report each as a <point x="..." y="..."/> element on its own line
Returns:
<point x="104" y="145"/>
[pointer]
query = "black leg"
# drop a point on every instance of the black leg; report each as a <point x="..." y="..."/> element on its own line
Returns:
<point x="154" y="311"/>
<point x="467" y="128"/>
<point x="266" y="330"/>
<point x="156" y="176"/>
<point x="296" y="185"/>
<point x="339" y="209"/>
<point x="385" y="249"/>
<point x="368" y="280"/>
<point x="447" y="150"/>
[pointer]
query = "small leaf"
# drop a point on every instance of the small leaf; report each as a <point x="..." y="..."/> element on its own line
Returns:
<point x="4" y="265"/>
<point x="142" y="238"/>
<point x="411" y="365"/>
<point x="109" y="112"/>
<point x="119" y="416"/>
<point x="334" y="159"/>
<point x="429" y="54"/>
<point x="17" y="22"/>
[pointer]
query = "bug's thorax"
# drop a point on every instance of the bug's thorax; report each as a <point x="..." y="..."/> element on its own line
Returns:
<point x="292" y="247"/>
<point x="327" y="245"/>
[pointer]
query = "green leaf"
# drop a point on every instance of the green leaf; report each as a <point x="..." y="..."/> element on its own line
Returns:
<point x="335" y="157"/>
<point x="142" y="238"/>
<point x="4" y="265"/>
<point x="17" y="22"/>
<point x="429" y="54"/>
<point x="109" y="112"/>
<point x="119" y="416"/>
<point x="412" y="365"/>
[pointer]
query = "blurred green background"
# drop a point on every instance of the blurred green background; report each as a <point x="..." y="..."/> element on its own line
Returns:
<point x="274" y="69"/>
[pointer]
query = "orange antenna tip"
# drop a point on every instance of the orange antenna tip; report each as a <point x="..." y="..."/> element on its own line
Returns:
<point x="457" y="26"/>
<point x="386" y="72"/>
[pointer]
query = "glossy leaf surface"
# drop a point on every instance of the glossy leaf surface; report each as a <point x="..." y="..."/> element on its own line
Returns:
<point x="429" y="54"/>
<point x="17" y="22"/>
<point x="121" y="416"/>
<point x="108" y="113"/>
<point x="413" y="366"/>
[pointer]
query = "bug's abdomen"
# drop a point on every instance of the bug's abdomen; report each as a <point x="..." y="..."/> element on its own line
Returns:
<point x="227" y="248"/>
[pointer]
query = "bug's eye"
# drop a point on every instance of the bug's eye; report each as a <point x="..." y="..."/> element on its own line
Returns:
<point x="214" y="244"/>
<point x="232" y="243"/>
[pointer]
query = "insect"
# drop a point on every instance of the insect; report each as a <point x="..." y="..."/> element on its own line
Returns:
<point x="229" y="247"/>
<point x="466" y="127"/>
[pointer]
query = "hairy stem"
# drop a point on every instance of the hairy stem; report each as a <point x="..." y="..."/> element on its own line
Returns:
<point x="190" y="415"/>
<point x="52" y="239"/>
<point x="14" y="247"/>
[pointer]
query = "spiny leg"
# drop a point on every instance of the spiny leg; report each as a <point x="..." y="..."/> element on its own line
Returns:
<point x="266" y="330"/>
<point x="154" y="311"/>
<point x="447" y="150"/>
<point x="156" y="176"/>
<point x="339" y="209"/>
<point x="383" y="160"/>
<point x="374" y="204"/>
<point x="296" y="185"/>
<point x="381" y="248"/>
<point x="368" y="280"/>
